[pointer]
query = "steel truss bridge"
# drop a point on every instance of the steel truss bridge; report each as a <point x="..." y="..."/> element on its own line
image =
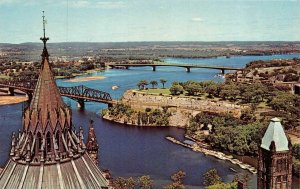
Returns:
<point x="80" y="93"/>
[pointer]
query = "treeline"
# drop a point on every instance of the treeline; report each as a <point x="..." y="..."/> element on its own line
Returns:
<point x="227" y="133"/>
<point x="29" y="71"/>
<point x="284" y="104"/>
<point x="272" y="63"/>
<point x="149" y="117"/>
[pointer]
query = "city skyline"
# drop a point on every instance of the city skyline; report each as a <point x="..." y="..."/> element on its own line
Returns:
<point x="126" y="20"/>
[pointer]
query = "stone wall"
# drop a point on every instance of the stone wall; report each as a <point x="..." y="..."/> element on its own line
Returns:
<point x="181" y="108"/>
<point x="142" y="100"/>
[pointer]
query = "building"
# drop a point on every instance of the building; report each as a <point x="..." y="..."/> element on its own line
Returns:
<point x="48" y="153"/>
<point x="274" y="159"/>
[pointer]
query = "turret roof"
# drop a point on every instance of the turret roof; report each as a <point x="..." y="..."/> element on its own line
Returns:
<point x="275" y="132"/>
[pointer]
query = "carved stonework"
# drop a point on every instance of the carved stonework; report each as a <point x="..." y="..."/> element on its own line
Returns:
<point x="275" y="166"/>
<point x="92" y="145"/>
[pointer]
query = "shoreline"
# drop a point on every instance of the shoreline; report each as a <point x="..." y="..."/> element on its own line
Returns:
<point x="84" y="79"/>
<point x="7" y="100"/>
<point x="217" y="154"/>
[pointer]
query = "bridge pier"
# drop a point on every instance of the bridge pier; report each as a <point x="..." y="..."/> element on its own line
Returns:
<point x="11" y="91"/>
<point x="29" y="96"/>
<point x="80" y="104"/>
<point x="223" y="71"/>
<point x="188" y="69"/>
<point x="154" y="68"/>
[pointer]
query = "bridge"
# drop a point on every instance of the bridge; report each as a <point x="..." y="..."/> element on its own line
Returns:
<point x="186" y="66"/>
<point x="80" y="93"/>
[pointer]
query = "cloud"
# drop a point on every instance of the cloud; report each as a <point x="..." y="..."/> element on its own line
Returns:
<point x="97" y="4"/>
<point x="197" y="19"/>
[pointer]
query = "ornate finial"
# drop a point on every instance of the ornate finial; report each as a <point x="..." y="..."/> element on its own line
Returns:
<point x="44" y="39"/>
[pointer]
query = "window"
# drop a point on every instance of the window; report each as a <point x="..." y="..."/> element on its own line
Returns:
<point x="278" y="179"/>
<point x="48" y="136"/>
<point x="284" y="178"/>
<point x="57" y="139"/>
<point x="39" y="141"/>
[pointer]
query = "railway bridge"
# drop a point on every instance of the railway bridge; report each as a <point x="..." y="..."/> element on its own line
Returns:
<point x="80" y="93"/>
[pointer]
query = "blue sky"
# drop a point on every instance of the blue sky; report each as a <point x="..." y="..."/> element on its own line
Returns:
<point x="150" y="20"/>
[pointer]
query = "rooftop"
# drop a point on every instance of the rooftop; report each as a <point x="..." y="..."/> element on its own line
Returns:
<point x="275" y="132"/>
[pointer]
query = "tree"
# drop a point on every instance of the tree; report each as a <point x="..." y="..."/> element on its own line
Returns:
<point x="163" y="81"/>
<point x="123" y="183"/>
<point x="178" y="177"/>
<point x="296" y="151"/>
<point x="192" y="89"/>
<point x="153" y="83"/>
<point x="141" y="84"/>
<point x="223" y="186"/>
<point x="176" y="89"/>
<point x="145" y="182"/>
<point x="211" y="177"/>
<point x="174" y="186"/>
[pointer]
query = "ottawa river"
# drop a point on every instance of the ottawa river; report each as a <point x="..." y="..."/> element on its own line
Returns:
<point x="135" y="151"/>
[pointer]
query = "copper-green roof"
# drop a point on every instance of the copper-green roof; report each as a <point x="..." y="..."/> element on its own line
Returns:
<point x="275" y="132"/>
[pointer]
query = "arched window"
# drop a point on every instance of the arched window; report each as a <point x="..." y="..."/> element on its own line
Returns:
<point x="279" y="165"/>
<point x="39" y="141"/>
<point x="48" y="144"/>
<point x="57" y="140"/>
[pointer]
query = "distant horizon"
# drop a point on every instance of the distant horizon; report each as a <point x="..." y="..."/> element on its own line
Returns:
<point x="156" y="20"/>
<point x="49" y="42"/>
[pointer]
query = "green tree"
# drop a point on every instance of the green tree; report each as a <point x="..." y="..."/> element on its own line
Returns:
<point x="192" y="89"/>
<point x="163" y="81"/>
<point x="174" y="186"/>
<point x="223" y="186"/>
<point x="176" y="89"/>
<point x="178" y="177"/>
<point x="296" y="151"/>
<point x="141" y="84"/>
<point x="211" y="177"/>
<point x="153" y="83"/>
<point x="145" y="182"/>
<point x="123" y="183"/>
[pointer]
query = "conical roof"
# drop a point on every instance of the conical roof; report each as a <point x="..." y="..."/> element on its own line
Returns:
<point x="275" y="133"/>
<point x="46" y="94"/>
<point x="47" y="107"/>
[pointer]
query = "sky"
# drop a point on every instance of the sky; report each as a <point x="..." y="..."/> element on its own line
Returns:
<point x="150" y="20"/>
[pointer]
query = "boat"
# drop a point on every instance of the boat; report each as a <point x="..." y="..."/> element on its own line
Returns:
<point x="115" y="87"/>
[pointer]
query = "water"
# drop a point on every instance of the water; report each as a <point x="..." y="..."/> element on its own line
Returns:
<point x="134" y="151"/>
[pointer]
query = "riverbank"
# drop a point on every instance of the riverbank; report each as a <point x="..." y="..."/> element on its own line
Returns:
<point x="5" y="99"/>
<point x="83" y="79"/>
<point x="219" y="155"/>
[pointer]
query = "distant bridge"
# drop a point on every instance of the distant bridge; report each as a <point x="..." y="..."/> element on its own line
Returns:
<point x="186" y="66"/>
<point x="80" y="93"/>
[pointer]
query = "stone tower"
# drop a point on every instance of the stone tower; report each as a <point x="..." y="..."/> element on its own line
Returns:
<point x="92" y="145"/>
<point x="274" y="158"/>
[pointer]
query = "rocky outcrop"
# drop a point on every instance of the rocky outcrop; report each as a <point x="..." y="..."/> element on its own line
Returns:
<point x="194" y="104"/>
<point x="180" y="109"/>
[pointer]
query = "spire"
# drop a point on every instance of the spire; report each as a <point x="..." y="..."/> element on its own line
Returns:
<point x="47" y="106"/>
<point x="45" y="54"/>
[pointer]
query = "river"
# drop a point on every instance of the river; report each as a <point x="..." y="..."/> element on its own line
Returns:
<point x="134" y="151"/>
